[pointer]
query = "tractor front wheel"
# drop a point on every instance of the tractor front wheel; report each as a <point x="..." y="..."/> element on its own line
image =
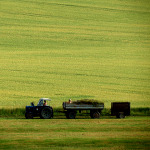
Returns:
<point x="29" y="116"/>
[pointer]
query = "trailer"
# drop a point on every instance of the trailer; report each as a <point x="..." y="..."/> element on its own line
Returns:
<point x="71" y="108"/>
<point x="120" y="109"/>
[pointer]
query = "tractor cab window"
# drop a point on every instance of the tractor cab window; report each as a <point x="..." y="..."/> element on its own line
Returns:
<point x="40" y="103"/>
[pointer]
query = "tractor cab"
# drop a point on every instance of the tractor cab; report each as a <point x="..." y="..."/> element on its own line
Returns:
<point x="43" y="102"/>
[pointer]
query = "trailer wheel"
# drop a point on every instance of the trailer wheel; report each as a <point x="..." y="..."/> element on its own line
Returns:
<point x="29" y="116"/>
<point x="71" y="115"/>
<point x="46" y="113"/>
<point x="120" y="115"/>
<point x="95" y="114"/>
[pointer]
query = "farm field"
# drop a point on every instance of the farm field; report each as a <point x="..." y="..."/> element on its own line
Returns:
<point x="74" y="49"/>
<point x="79" y="134"/>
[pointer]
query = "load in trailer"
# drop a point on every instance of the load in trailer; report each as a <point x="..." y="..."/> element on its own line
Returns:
<point x="71" y="108"/>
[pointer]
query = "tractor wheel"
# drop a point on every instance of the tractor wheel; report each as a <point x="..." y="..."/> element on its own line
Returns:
<point x="29" y="116"/>
<point x="95" y="114"/>
<point x="46" y="113"/>
<point x="71" y="115"/>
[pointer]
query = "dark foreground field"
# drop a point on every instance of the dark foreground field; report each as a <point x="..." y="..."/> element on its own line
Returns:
<point x="105" y="133"/>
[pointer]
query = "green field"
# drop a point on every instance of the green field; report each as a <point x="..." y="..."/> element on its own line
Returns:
<point x="78" y="134"/>
<point x="74" y="49"/>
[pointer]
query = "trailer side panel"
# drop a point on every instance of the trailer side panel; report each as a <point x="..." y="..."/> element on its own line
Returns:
<point x="117" y="107"/>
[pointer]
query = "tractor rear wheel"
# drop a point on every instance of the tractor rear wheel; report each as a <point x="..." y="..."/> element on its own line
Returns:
<point x="46" y="113"/>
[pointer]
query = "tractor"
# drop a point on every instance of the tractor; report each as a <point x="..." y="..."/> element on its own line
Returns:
<point x="42" y="110"/>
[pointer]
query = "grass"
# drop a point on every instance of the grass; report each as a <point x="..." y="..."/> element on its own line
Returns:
<point x="129" y="133"/>
<point x="74" y="49"/>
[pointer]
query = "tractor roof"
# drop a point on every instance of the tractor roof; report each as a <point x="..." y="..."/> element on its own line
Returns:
<point x="47" y="99"/>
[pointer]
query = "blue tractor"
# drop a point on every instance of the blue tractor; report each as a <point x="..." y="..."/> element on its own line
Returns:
<point x="42" y="110"/>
